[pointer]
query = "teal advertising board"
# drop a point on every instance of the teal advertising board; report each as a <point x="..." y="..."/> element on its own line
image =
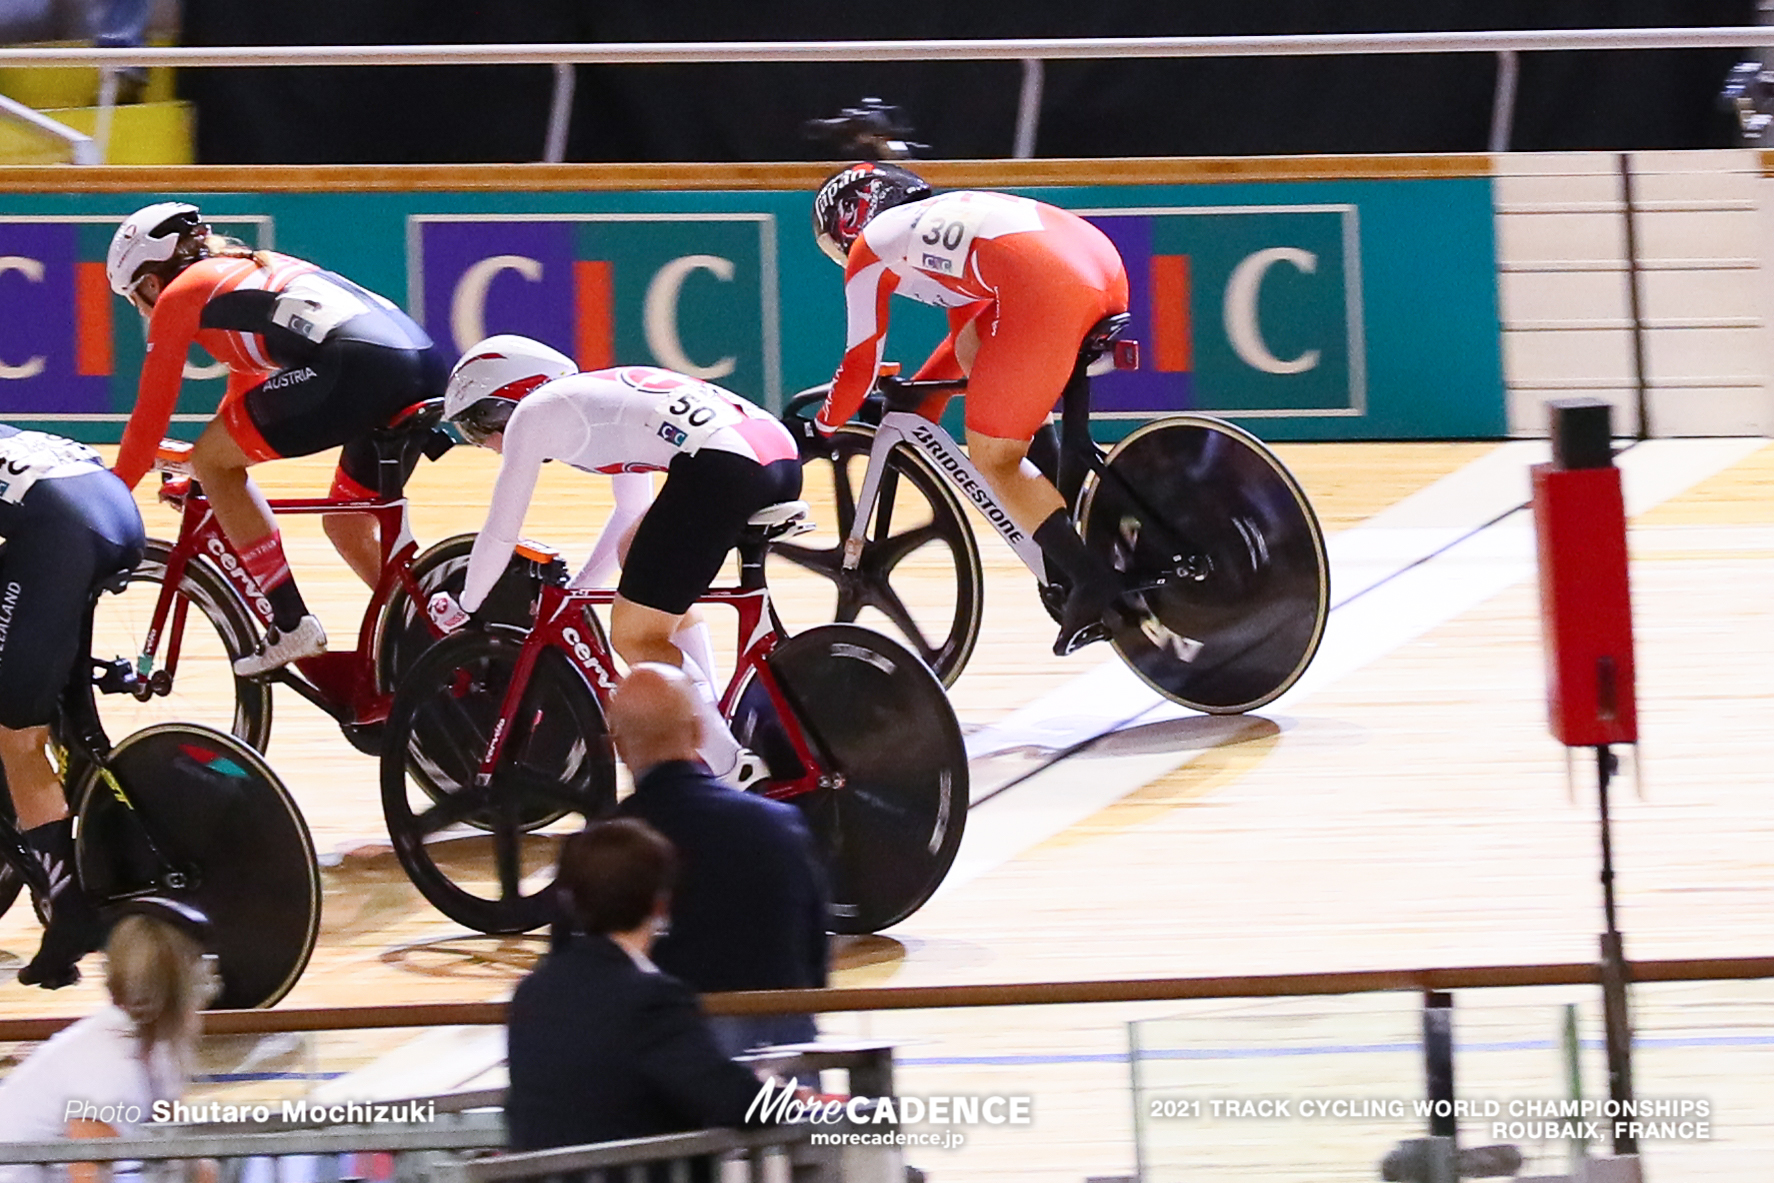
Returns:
<point x="1309" y="310"/>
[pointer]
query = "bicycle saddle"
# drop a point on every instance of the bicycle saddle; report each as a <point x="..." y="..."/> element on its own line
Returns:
<point x="422" y="420"/>
<point x="1102" y="334"/>
<point x="782" y="520"/>
<point x="418" y="417"/>
<point x="1103" y="350"/>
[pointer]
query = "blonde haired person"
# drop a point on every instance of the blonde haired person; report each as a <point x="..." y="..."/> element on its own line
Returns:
<point x="101" y="1077"/>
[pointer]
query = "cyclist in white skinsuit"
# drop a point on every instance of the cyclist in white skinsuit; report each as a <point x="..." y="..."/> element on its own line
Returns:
<point x="724" y="459"/>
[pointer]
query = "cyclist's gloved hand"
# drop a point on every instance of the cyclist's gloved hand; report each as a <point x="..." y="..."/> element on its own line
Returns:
<point x="874" y="405"/>
<point x="445" y="612"/>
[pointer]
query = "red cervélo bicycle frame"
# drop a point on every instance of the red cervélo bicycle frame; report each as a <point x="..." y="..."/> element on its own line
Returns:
<point x="343" y="683"/>
<point x="560" y="625"/>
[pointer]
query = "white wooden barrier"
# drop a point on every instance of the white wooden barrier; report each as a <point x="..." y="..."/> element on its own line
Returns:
<point x="1705" y="237"/>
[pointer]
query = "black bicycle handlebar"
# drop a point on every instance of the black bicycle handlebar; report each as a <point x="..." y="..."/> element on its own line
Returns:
<point x="807" y="398"/>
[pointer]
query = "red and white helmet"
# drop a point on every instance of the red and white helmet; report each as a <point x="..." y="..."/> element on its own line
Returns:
<point x="487" y="383"/>
<point x="150" y="235"/>
<point x="852" y="196"/>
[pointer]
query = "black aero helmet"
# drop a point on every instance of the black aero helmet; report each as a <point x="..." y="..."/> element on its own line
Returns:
<point x="852" y="196"/>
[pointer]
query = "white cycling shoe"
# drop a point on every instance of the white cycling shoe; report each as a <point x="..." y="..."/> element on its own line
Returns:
<point x="307" y="639"/>
<point x="750" y="772"/>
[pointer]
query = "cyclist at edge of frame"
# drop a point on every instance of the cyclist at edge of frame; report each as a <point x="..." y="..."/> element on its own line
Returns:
<point x="314" y="361"/>
<point x="724" y="459"/>
<point x="69" y="525"/>
<point x="1023" y="283"/>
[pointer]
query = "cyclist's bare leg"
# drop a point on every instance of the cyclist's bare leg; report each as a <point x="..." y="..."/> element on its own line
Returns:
<point x="1034" y="504"/>
<point x="1027" y="496"/>
<point x="240" y="508"/>
<point x="691" y="635"/>
<point x="358" y="541"/>
<point x="642" y="634"/>
<point x="37" y="797"/>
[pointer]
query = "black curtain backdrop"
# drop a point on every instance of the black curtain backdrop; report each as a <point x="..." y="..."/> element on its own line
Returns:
<point x="1136" y="107"/>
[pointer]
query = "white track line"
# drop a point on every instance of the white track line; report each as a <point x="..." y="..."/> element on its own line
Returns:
<point x="1400" y="599"/>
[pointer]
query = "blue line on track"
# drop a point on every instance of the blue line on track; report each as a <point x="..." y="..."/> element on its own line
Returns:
<point x="254" y="1077"/>
<point x="1329" y="1049"/>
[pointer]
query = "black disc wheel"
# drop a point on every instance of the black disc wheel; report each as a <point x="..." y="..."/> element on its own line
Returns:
<point x="893" y="803"/>
<point x="476" y="850"/>
<point x="207" y="822"/>
<point x="207" y="627"/>
<point x="1207" y="514"/>
<point x="919" y="578"/>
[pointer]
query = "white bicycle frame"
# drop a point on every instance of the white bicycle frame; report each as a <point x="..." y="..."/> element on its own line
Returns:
<point x="940" y="448"/>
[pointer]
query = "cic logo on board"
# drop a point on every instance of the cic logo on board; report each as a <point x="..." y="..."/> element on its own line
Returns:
<point x="1246" y="310"/>
<point x="56" y="330"/>
<point x="681" y="291"/>
<point x="68" y="346"/>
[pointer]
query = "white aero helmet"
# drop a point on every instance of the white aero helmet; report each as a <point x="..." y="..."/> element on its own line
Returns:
<point x="486" y="384"/>
<point x="150" y="235"/>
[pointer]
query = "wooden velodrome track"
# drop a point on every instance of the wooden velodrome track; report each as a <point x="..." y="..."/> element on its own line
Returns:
<point x="1407" y="809"/>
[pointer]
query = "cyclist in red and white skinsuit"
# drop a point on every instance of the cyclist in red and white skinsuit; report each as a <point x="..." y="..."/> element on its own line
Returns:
<point x="1023" y="283"/>
<point x="724" y="459"/>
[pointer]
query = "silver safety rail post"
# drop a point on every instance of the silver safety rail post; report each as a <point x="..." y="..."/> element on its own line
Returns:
<point x="81" y="147"/>
<point x="1507" y="44"/>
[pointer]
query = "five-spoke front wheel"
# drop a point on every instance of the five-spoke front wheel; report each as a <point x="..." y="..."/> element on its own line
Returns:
<point x="919" y="577"/>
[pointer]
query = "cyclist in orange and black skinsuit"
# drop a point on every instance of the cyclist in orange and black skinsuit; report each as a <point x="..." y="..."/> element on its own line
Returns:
<point x="314" y="362"/>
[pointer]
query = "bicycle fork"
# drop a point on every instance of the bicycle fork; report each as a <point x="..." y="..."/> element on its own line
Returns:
<point x="874" y="484"/>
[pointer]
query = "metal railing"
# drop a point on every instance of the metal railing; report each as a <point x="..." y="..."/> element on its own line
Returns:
<point x="833" y="1000"/>
<point x="1032" y="52"/>
<point x="463" y="1123"/>
<point x="806" y="1162"/>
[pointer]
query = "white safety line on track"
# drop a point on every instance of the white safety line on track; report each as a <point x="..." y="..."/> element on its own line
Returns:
<point x="1384" y="595"/>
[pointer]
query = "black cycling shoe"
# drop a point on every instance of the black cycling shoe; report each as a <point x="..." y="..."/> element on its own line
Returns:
<point x="1086" y="618"/>
<point x="1053" y="595"/>
<point x="73" y="931"/>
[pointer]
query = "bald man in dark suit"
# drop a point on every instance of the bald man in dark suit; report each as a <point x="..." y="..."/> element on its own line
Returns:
<point x="750" y="908"/>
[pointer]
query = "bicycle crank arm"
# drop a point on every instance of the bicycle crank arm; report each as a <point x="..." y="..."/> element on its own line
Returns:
<point x="340" y="714"/>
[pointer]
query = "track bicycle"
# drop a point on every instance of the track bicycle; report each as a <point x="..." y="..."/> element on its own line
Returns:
<point x="1218" y="545"/>
<point x="186" y="812"/>
<point x="191" y="608"/>
<point x="503" y="731"/>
